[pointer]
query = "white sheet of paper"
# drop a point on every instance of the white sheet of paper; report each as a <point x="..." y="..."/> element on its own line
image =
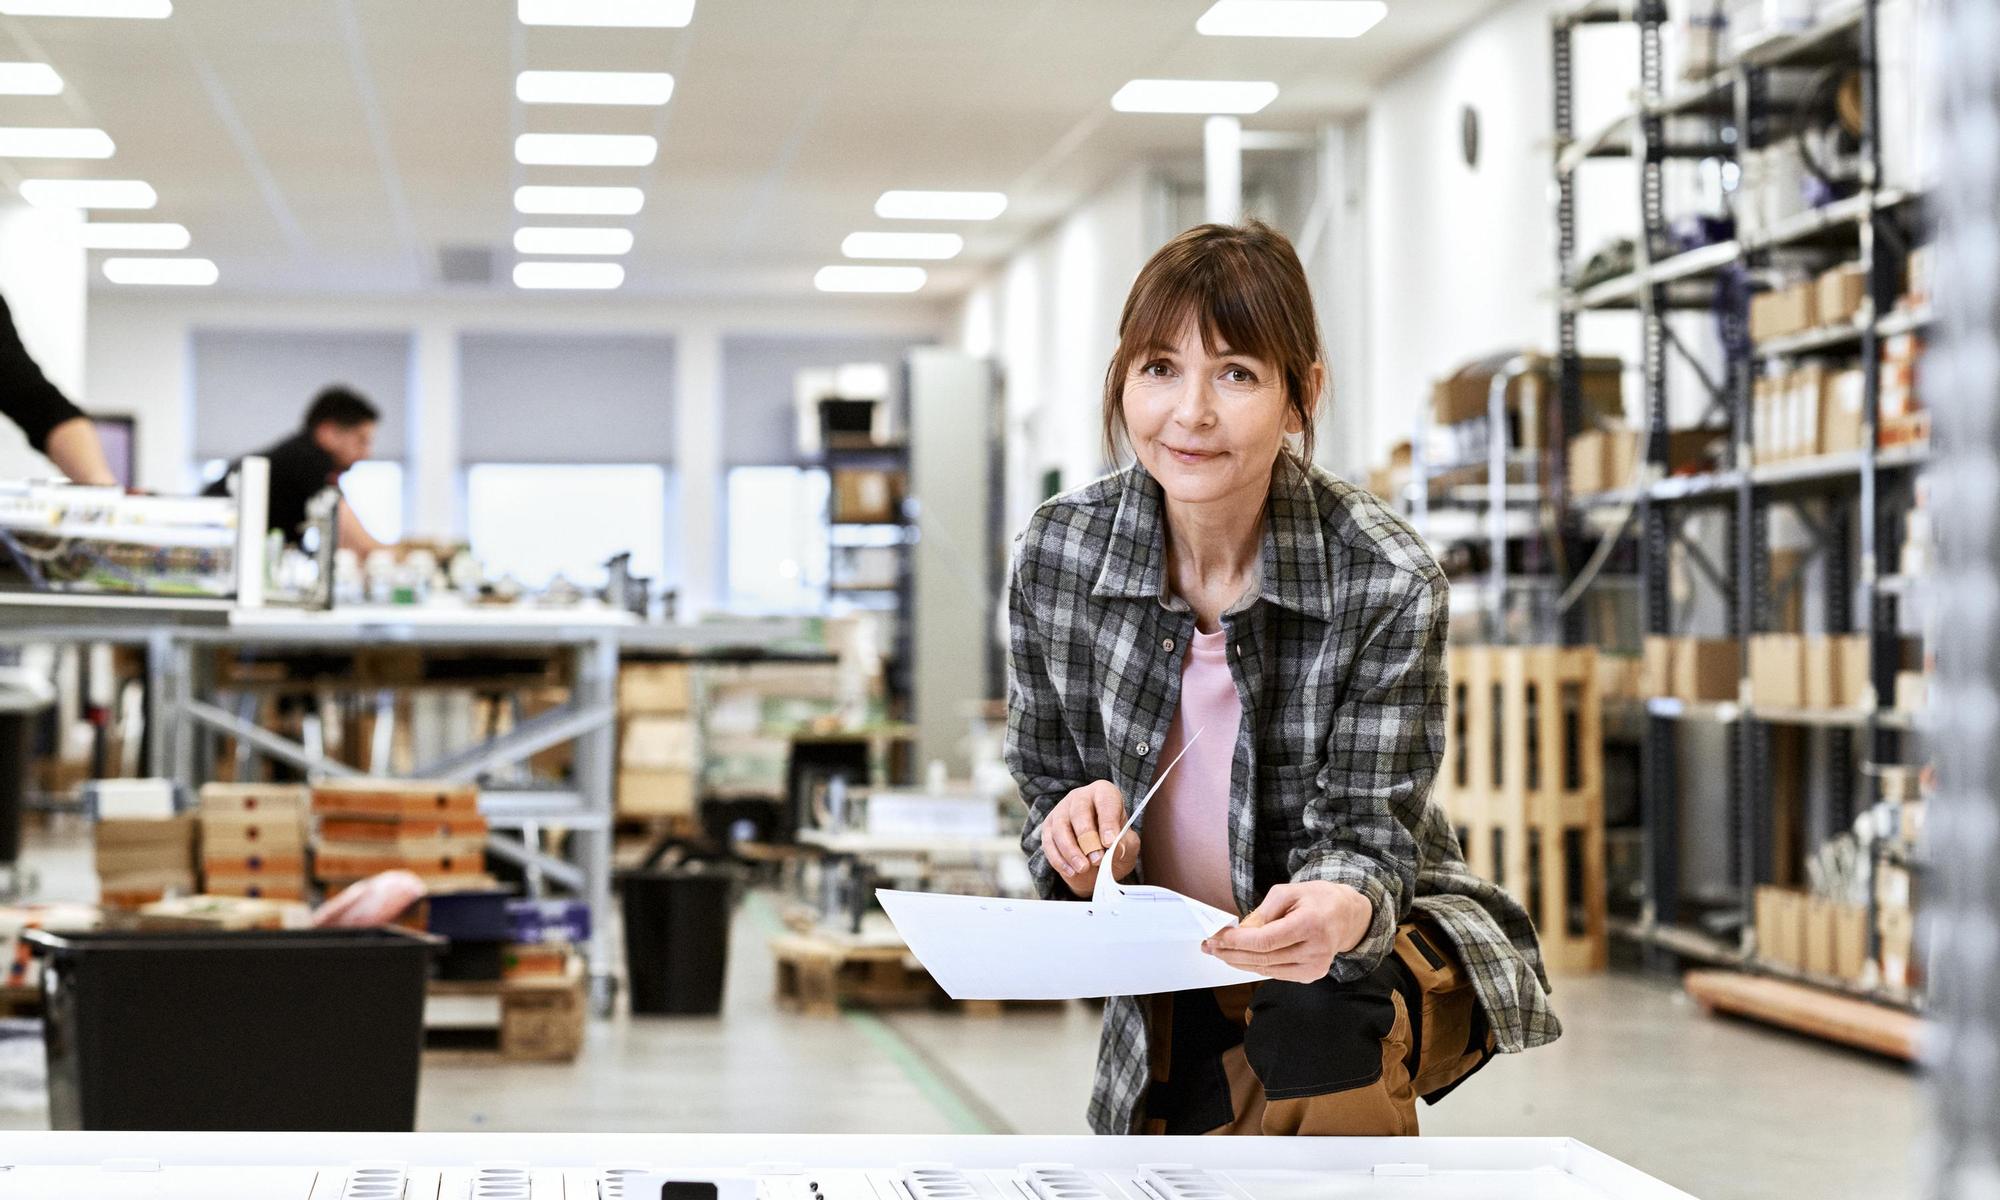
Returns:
<point x="1145" y="940"/>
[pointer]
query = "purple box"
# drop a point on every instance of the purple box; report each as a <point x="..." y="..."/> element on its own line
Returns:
<point x="549" y="920"/>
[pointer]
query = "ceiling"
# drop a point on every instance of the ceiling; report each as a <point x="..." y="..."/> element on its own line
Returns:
<point x="334" y="146"/>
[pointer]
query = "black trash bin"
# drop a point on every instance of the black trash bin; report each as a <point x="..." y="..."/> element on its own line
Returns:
<point x="309" y="1030"/>
<point x="677" y="939"/>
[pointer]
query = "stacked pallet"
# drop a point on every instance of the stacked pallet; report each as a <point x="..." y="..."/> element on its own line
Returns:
<point x="141" y="859"/>
<point x="253" y="840"/>
<point x="431" y="829"/>
<point x="656" y="742"/>
<point x="1523" y="784"/>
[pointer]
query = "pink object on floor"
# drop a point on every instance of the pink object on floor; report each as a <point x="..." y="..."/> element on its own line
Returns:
<point x="376" y="900"/>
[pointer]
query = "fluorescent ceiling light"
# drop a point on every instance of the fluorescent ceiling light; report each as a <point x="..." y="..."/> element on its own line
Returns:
<point x="579" y="201"/>
<point x="21" y="142"/>
<point x="135" y="235"/>
<point x="870" y="279"/>
<point x="940" y="206"/>
<point x="593" y="87"/>
<point x="532" y="239"/>
<point x="89" y="193"/>
<point x="598" y="276"/>
<point x="645" y="14"/>
<point x="29" y="79"/>
<point x="902" y="245"/>
<point x="86" y="8"/>
<point x="1292" y="18"/>
<point x="1194" y="96"/>
<point x="585" y="149"/>
<point x="169" y="272"/>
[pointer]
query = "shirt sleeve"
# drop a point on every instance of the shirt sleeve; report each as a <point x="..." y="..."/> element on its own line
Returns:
<point x="1386" y="743"/>
<point x="1041" y="751"/>
<point x="27" y="398"/>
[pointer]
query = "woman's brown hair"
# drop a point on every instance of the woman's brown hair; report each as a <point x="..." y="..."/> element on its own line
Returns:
<point x="1244" y="288"/>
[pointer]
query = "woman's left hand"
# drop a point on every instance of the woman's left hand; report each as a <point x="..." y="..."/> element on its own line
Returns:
<point x="1296" y="933"/>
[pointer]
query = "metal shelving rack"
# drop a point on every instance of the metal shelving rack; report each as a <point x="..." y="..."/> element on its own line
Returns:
<point x="1858" y="526"/>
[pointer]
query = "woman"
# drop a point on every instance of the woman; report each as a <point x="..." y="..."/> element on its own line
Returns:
<point x="1222" y="586"/>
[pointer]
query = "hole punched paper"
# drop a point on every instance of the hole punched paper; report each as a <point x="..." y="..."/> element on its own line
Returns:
<point x="1123" y="941"/>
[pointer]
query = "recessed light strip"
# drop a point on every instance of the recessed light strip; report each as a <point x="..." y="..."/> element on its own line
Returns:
<point x="29" y="79"/>
<point x="629" y="14"/>
<point x="870" y="279"/>
<point x="135" y="9"/>
<point x="544" y="239"/>
<point x="651" y="88"/>
<point x="89" y="193"/>
<point x="164" y="272"/>
<point x="23" y="142"/>
<point x="586" y="149"/>
<point x="570" y="275"/>
<point x="542" y="199"/>
<point x="1292" y="18"/>
<point x="902" y="245"/>
<point x="1202" y="96"/>
<point x="940" y="206"/>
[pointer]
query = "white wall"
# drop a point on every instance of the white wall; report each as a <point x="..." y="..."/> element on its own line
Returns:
<point x="139" y="356"/>
<point x="44" y="276"/>
<point x="1049" y="317"/>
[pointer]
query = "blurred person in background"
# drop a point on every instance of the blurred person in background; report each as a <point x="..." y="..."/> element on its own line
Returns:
<point x="338" y="432"/>
<point x="55" y="427"/>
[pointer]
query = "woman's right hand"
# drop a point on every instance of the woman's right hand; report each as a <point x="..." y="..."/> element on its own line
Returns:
<point x="1078" y="830"/>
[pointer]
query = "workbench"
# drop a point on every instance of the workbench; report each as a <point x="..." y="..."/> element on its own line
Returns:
<point x="509" y="1166"/>
<point x="183" y="706"/>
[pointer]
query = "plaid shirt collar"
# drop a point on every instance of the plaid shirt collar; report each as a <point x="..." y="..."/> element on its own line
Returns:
<point x="1293" y="569"/>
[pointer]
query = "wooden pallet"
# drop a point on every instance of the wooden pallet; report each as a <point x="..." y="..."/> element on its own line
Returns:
<point x="540" y="1019"/>
<point x="1801" y="1008"/>
<point x="817" y="974"/>
<point x="1523" y="783"/>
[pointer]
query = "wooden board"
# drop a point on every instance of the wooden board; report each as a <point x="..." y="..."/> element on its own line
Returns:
<point x="1847" y="1020"/>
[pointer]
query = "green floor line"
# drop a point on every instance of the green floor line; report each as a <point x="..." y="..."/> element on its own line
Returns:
<point x="965" y="1113"/>
<point x="949" y="1096"/>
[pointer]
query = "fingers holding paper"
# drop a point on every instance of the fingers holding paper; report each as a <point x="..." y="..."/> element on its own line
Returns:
<point x="1297" y="931"/>
<point x="1080" y="828"/>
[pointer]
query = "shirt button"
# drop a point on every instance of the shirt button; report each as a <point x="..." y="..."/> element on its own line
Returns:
<point x="1168" y="644"/>
<point x="1143" y="749"/>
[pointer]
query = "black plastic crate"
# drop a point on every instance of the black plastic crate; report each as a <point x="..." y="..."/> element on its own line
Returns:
<point x="304" y="1030"/>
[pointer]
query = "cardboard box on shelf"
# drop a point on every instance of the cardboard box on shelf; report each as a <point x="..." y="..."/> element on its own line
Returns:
<point x="1855" y="687"/>
<point x="1822" y="670"/>
<point x="1656" y="667"/>
<point x="1780" y="917"/>
<point x="643" y="793"/>
<point x="1593" y="458"/>
<point x="1466" y="394"/>
<point x="657" y="743"/>
<point x="1783" y="312"/>
<point x="396" y="798"/>
<point x="1912" y="691"/>
<point x="1763" y="419"/>
<point x="655" y="688"/>
<point x="1620" y="677"/>
<point x="1819" y="936"/>
<point x="1899" y="395"/>
<point x="1841" y="429"/>
<point x="867" y="496"/>
<point x="1839" y="293"/>
<point x="1910" y="429"/>
<point x="1777" y="670"/>
<point x="1896" y="929"/>
<point x="263" y="799"/>
<point x="1850" y="941"/>
<point x="228" y="832"/>
<point x="1806" y="391"/>
<point x="1706" y="669"/>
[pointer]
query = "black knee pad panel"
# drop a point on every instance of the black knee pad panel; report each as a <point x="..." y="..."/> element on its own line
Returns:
<point x="1312" y="1039"/>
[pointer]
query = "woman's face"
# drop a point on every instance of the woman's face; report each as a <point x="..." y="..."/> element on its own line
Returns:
<point x="1206" y="426"/>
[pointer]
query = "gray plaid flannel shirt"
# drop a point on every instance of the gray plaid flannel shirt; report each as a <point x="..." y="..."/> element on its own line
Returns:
<point x="1338" y="656"/>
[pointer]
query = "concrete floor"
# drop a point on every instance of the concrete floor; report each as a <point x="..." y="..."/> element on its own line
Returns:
<point x="1722" y="1109"/>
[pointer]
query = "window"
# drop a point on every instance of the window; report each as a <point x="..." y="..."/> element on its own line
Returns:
<point x="534" y="521"/>
<point x="374" y="490"/>
<point x="777" y="539"/>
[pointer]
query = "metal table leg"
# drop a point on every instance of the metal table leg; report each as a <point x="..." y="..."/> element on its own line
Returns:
<point x="596" y="748"/>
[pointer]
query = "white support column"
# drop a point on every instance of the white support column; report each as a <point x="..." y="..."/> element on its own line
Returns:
<point x="698" y="465"/>
<point x="1222" y="162"/>
<point x="431" y="493"/>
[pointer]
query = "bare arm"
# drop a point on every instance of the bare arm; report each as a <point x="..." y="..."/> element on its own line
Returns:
<point x="354" y="535"/>
<point x="73" y="447"/>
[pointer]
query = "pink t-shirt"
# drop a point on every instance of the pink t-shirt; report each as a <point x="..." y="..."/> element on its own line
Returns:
<point x="1186" y="842"/>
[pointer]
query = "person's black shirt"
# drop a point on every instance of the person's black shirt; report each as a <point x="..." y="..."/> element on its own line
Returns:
<point x="299" y="471"/>
<point x="27" y="398"/>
